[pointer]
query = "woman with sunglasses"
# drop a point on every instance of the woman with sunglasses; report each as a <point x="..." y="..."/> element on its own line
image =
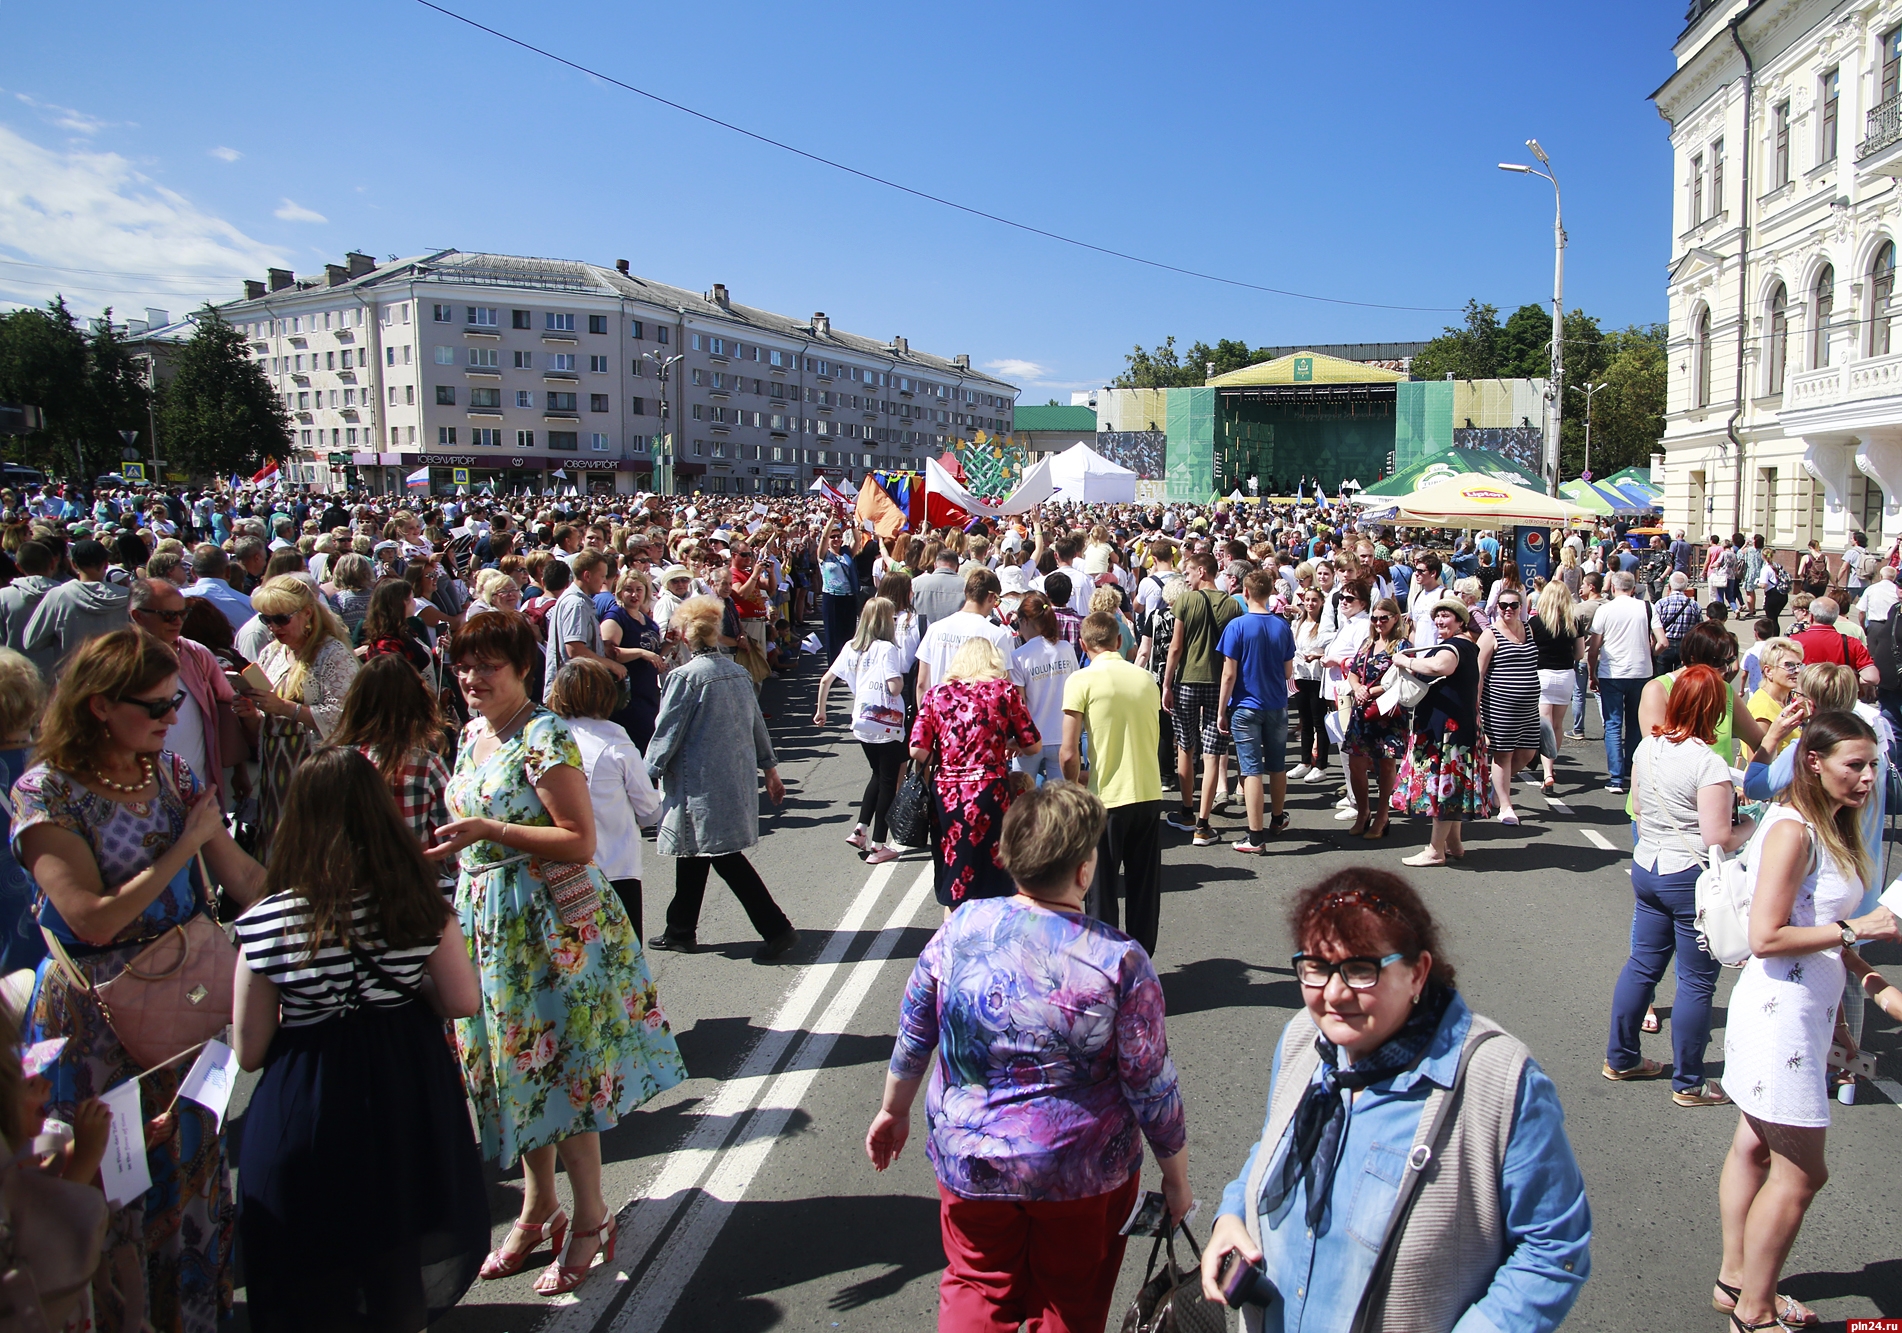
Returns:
<point x="1499" y="1233"/>
<point x="1509" y="694"/>
<point x="1338" y="658"/>
<point x="310" y="666"/>
<point x="108" y="823"/>
<point x="1374" y="739"/>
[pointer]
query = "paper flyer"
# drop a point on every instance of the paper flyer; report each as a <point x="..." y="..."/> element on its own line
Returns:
<point x="124" y="1172"/>
<point x="210" y="1079"/>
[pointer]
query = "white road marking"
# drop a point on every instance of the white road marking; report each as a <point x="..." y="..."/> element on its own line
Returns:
<point x="644" y="1217"/>
<point x="1556" y="806"/>
<point x="1598" y="840"/>
<point x="687" y="1245"/>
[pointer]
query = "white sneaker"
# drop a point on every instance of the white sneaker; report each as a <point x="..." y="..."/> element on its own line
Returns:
<point x="1317" y="775"/>
<point x="1346" y="802"/>
<point x="1349" y="813"/>
<point x="1297" y="773"/>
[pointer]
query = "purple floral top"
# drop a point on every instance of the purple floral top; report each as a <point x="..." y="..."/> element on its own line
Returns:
<point x="1051" y="1054"/>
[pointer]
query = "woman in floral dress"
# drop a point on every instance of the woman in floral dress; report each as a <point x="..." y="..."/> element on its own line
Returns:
<point x="570" y="1035"/>
<point x="1444" y="777"/>
<point x="1374" y="740"/>
<point x="974" y="723"/>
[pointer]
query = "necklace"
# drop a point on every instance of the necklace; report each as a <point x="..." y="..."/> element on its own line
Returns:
<point x="1054" y="904"/>
<point x="503" y="732"/>
<point x="145" y="767"/>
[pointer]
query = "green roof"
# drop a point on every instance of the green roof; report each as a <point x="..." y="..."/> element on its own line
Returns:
<point x="1453" y="463"/>
<point x="1077" y="420"/>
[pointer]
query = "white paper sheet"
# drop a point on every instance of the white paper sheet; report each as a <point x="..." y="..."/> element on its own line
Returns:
<point x="210" y="1079"/>
<point x="124" y="1172"/>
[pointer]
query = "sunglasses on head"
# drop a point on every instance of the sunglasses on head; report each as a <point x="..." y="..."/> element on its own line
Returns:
<point x="157" y="708"/>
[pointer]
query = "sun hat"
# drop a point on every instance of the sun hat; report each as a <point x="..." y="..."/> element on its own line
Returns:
<point x="1011" y="579"/>
<point x="1454" y="605"/>
<point x="672" y="572"/>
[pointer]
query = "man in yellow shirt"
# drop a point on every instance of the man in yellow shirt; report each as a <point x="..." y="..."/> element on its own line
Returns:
<point x="1119" y="706"/>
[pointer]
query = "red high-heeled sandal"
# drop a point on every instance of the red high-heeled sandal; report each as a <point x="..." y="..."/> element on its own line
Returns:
<point x="559" y="1278"/>
<point x="507" y="1263"/>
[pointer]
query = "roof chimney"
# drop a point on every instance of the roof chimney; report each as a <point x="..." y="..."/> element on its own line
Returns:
<point x="962" y="360"/>
<point x="360" y="264"/>
<point x="135" y="328"/>
<point x="336" y="275"/>
<point x="820" y="324"/>
<point x="253" y="289"/>
<point x="719" y="294"/>
<point x="158" y="319"/>
<point x="280" y="278"/>
<point x="621" y="266"/>
<point x="900" y="345"/>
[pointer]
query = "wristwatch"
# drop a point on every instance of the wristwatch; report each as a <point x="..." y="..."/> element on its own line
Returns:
<point x="1849" y="934"/>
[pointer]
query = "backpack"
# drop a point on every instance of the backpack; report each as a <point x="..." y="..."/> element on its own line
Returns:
<point x="1868" y="565"/>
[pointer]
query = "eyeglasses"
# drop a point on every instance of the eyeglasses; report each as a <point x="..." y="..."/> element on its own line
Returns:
<point x="1792" y="667"/>
<point x="1358" y="973"/>
<point x="278" y="622"/>
<point x="169" y="617"/>
<point x="476" y="668"/>
<point x="156" y="708"/>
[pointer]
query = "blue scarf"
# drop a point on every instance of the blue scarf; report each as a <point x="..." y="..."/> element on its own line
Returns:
<point x="1320" y="1121"/>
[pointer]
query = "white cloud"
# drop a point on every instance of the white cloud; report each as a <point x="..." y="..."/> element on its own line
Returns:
<point x="90" y="225"/>
<point x="224" y="154"/>
<point x="292" y="211"/>
<point x="1013" y="369"/>
<point x="64" y="116"/>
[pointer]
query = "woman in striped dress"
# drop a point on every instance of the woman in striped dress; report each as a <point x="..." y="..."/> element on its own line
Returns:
<point x="1509" y="695"/>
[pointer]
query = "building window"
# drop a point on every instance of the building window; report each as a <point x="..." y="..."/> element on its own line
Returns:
<point x="1716" y="179"/>
<point x="1881" y="296"/>
<point x="566" y="440"/>
<point x="1891" y="64"/>
<point x="597" y="365"/>
<point x="486" y="436"/>
<point x="660" y="334"/>
<point x="445" y="395"/>
<point x="482" y="316"/>
<point x="524" y="360"/>
<point x="1700" y="361"/>
<point x="522" y="319"/>
<point x="409" y="395"/>
<point x="525" y="398"/>
<point x="562" y="361"/>
<point x="445" y="356"/>
<point x="640" y="407"/>
<point x="1777" y="351"/>
<point x="597" y="323"/>
<point x="597" y="441"/>
<point x="485" y="398"/>
<point x="1831" y="93"/>
<point x="561" y="402"/>
<point x="699" y="412"/>
<point x="1822" y="308"/>
<point x="1780" y="145"/>
<point x="485" y="358"/>
<point x="524" y="439"/>
<point x="635" y="329"/>
<point x="443" y="314"/>
<point x="598" y="402"/>
<point x="558" y="323"/>
<point x="445" y="435"/>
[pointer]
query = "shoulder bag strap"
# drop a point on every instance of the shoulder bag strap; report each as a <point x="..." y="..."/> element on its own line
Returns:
<point x="1703" y="856"/>
<point x="1441" y="1111"/>
<point x="208" y="896"/>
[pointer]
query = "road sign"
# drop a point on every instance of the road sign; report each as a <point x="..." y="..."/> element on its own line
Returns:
<point x="339" y="459"/>
<point x="132" y="471"/>
<point x="458" y="476"/>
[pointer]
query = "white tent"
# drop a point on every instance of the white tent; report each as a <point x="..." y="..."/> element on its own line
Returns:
<point x="1081" y="474"/>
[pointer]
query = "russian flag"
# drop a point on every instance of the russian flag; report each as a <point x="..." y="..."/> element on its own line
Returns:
<point x="418" y="480"/>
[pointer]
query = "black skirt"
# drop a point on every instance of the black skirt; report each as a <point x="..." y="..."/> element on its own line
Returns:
<point x="360" y="1191"/>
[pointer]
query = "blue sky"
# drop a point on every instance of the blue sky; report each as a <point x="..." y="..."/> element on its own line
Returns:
<point x="1342" y="151"/>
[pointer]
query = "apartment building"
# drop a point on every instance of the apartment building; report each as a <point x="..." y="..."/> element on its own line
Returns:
<point x="1784" y="412"/>
<point x="501" y="369"/>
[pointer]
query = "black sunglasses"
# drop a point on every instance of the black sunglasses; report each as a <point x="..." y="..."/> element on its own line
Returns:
<point x="169" y="617"/>
<point x="157" y="708"/>
<point x="279" y="621"/>
<point x="1509" y="606"/>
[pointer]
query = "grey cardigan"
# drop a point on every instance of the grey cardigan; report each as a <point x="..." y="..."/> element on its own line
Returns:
<point x="710" y="743"/>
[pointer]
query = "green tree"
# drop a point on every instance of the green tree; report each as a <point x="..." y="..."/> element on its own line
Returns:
<point x="1468" y="352"/>
<point x="117" y="396"/>
<point x="218" y="413"/>
<point x="43" y="364"/>
<point x="1628" y="414"/>
<point x="1159" y="368"/>
<point x="1525" y="343"/>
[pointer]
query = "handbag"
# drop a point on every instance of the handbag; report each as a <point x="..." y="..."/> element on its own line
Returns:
<point x="1171" y="1301"/>
<point x="52" y="1232"/>
<point x="174" y="994"/>
<point x="1403" y="687"/>
<point x="572" y="888"/>
<point x="1722" y="894"/>
<point x="910" y="815"/>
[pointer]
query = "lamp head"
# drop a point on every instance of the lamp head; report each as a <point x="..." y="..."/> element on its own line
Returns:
<point x="1538" y="152"/>
<point x="1514" y="166"/>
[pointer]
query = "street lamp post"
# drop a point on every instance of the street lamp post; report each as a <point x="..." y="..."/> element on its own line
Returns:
<point x="664" y="461"/>
<point x="1554" y="393"/>
<point x="1590" y="391"/>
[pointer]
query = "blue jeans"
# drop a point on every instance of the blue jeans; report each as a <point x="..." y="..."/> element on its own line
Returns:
<point x="1044" y="765"/>
<point x="1261" y="740"/>
<point x="1578" y="699"/>
<point x="1618" y="701"/>
<point x="1663" y="924"/>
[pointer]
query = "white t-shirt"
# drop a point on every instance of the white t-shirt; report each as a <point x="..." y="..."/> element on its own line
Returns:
<point x="1149" y="591"/>
<point x="1624" y="624"/>
<point x="1082" y="588"/>
<point x="1041" y="667"/>
<point x="1879" y="600"/>
<point x="943" y="639"/>
<point x="186" y="739"/>
<point x="1667" y="777"/>
<point x="867" y="674"/>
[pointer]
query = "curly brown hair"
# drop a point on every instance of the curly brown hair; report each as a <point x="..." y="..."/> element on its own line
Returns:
<point x="1368" y="912"/>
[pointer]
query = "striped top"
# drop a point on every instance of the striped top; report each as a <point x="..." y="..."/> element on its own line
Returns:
<point x="274" y="942"/>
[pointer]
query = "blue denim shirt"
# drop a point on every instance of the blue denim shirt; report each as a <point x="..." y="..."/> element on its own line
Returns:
<point x="1542" y="1203"/>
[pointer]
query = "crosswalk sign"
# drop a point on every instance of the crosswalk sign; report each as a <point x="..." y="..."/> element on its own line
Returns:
<point x="133" y="471"/>
<point x="458" y="476"/>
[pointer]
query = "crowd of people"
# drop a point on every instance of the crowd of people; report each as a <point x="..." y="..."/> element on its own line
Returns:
<point x="403" y="751"/>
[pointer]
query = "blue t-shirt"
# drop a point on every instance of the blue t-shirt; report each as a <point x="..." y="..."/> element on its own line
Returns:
<point x="1261" y="646"/>
<point x="1490" y="546"/>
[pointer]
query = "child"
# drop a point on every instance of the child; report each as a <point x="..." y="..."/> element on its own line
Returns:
<point x="1765" y="630"/>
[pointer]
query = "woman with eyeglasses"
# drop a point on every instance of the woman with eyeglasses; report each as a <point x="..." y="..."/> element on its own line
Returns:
<point x="1781" y="661"/>
<point x="1309" y="645"/>
<point x="108" y="823"/>
<point x="1374" y="740"/>
<point x="310" y="666"/>
<point x="1499" y="1233"/>
<point x="1509" y="691"/>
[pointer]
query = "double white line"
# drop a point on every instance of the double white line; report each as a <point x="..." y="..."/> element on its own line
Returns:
<point x="727" y="1170"/>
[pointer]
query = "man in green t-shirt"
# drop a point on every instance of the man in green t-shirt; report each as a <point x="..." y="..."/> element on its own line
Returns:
<point x="1191" y="689"/>
<point x="1116" y="703"/>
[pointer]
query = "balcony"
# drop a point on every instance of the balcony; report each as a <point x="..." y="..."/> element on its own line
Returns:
<point x="561" y="339"/>
<point x="345" y="336"/>
<point x="491" y="374"/>
<point x="1840" y="390"/>
<point x="487" y="335"/>
<point x="1880" y="152"/>
<point x="489" y="412"/>
<point x="558" y="416"/>
<point x="559" y="377"/>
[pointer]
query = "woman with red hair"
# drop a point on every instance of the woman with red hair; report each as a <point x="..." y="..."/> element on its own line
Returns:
<point x="1682" y="805"/>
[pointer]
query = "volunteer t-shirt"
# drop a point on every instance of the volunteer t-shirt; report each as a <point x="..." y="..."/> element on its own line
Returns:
<point x="1042" y="667"/>
<point x="1121" y="710"/>
<point x="1261" y="646"/>
<point x="943" y="639"/>
<point x="867" y="674"/>
<point x="1624" y="625"/>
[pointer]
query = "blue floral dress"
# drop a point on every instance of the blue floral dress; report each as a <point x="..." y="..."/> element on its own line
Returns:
<point x="570" y="1035"/>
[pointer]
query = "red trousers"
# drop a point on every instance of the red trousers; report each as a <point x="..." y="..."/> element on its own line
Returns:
<point x="1050" y="1267"/>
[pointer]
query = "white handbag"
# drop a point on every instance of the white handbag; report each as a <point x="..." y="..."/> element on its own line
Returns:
<point x="1401" y="689"/>
<point x="1722" y="894"/>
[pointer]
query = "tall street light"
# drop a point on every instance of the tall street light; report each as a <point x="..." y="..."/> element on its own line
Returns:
<point x="1590" y="390"/>
<point x="1553" y="395"/>
<point x="664" y="461"/>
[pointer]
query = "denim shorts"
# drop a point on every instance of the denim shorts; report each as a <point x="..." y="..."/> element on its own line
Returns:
<point x="1261" y="740"/>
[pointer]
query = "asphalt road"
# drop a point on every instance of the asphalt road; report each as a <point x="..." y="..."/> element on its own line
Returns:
<point x="751" y="1206"/>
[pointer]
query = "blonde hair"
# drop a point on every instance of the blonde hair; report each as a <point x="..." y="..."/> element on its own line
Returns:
<point x="488" y="581"/>
<point x="876" y="623"/>
<point x="1555" y="607"/>
<point x="1780" y="646"/>
<point x="1106" y="599"/>
<point x="1831" y="686"/>
<point x="286" y="595"/>
<point x="698" y="618"/>
<point x="976" y="659"/>
<point x="22" y="693"/>
<point x="1568" y="558"/>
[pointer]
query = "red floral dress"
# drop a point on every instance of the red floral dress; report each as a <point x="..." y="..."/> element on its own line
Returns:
<point x="968" y="723"/>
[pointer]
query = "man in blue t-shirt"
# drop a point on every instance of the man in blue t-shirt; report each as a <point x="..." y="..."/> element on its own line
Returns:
<point x="1258" y="664"/>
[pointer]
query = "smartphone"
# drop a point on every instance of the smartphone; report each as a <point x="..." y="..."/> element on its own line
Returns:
<point x="1864" y="1065"/>
<point x="1244" y="1283"/>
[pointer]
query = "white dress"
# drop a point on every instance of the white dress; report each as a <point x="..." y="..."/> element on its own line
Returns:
<point x="1783" y="1010"/>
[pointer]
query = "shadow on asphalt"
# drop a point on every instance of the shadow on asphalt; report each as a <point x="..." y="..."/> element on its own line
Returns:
<point x="1226" y="983"/>
<point x="1880" y="1282"/>
<point x="715" y="1048"/>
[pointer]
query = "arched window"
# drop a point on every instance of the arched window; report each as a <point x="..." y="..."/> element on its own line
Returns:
<point x="1777" y="346"/>
<point x="1700" y="362"/>
<point x="1822" y="307"/>
<point x="1881" y="292"/>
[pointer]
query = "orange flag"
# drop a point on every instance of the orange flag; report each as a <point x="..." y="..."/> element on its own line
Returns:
<point x="887" y="519"/>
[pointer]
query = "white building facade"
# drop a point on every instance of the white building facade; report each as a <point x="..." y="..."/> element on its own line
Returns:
<point x="501" y="370"/>
<point x="1784" y="409"/>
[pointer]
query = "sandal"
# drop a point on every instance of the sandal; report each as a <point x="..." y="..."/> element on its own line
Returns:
<point x="1707" y="1093"/>
<point x="1650" y="1023"/>
<point x="505" y="1262"/>
<point x="1795" y="1313"/>
<point x="560" y="1278"/>
<point x="1643" y="1069"/>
